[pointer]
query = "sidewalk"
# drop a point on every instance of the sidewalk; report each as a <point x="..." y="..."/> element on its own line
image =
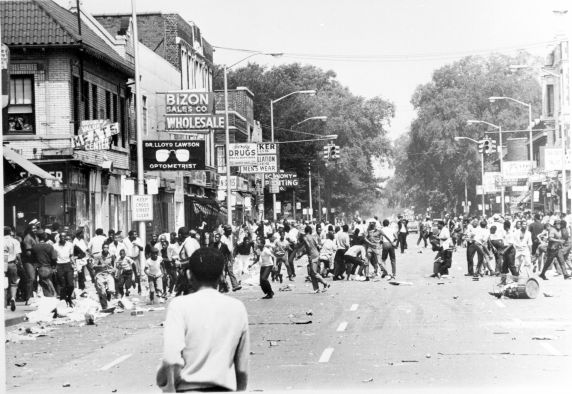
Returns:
<point x="18" y="316"/>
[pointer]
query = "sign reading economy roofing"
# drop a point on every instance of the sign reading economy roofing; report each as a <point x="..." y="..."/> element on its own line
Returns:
<point x="174" y="155"/>
<point x="191" y="111"/>
<point x="95" y="134"/>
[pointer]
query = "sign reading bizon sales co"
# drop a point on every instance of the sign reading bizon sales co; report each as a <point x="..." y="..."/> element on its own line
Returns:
<point x="192" y="112"/>
<point x="174" y="155"/>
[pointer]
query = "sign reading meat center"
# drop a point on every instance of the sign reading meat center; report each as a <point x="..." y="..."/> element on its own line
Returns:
<point x="192" y="112"/>
<point x="174" y="155"/>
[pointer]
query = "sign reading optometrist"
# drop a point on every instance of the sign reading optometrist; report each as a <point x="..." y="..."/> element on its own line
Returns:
<point x="192" y="112"/>
<point x="174" y="155"/>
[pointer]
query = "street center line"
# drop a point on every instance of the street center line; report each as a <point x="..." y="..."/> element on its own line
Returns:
<point x="325" y="357"/>
<point x="115" y="362"/>
<point x="342" y="326"/>
<point x="354" y="307"/>
<point x="551" y="349"/>
<point x="500" y="304"/>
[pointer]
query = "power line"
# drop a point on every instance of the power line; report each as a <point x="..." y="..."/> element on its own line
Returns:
<point x="412" y="57"/>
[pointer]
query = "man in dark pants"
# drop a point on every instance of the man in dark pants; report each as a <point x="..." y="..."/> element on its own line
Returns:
<point x="44" y="255"/>
<point x="471" y="247"/>
<point x="228" y="269"/>
<point x="342" y="239"/>
<point x="535" y="229"/>
<point x="402" y="233"/>
<point x="555" y="242"/>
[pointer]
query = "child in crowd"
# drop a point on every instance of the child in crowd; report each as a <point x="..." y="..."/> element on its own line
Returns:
<point x="154" y="274"/>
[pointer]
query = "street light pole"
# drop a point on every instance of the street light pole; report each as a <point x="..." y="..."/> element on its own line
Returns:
<point x="312" y="92"/>
<point x="482" y="171"/>
<point x="311" y="213"/>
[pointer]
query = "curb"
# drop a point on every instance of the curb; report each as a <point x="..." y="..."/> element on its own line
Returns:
<point x="12" y="321"/>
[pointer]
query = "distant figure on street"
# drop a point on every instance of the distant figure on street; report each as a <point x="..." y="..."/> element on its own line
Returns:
<point x="206" y="339"/>
<point x="402" y="233"/>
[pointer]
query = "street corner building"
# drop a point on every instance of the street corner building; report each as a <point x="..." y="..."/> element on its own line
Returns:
<point x="69" y="153"/>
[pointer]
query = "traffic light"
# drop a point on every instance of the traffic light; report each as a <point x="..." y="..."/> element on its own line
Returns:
<point x="481" y="146"/>
<point x="326" y="152"/>
<point x="333" y="152"/>
<point x="487" y="146"/>
<point x="493" y="146"/>
<point x="336" y="152"/>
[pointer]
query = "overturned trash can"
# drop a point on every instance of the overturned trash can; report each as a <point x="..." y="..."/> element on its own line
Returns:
<point x="524" y="288"/>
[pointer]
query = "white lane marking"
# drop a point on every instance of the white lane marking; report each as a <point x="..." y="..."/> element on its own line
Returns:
<point x="342" y="326"/>
<point x="500" y="304"/>
<point x="354" y="307"/>
<point x="327" y="353"/>
<point x="115" y="362"/>
<point x="551" y="349"/>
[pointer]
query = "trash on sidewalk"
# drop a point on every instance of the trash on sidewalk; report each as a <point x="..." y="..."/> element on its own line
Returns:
<point x="409" y="361"/>
<point x="20" y="364"/>
<point x="137" y="313"/>
<point x="286" y="288"/>
<point x="66" y="385"/>
<point x="367" y="380"/>
<point x="548" y="294"/>
<point x="525" y="288"/>
<point x="428" y="355"/>
<point x="543" y="338"/>
<point x="125" y="303"/>
<point x="399" y="283"/>
<point x="90" y="317"/>
<point x="309" y="312"/>
<point x="273" y="343"/>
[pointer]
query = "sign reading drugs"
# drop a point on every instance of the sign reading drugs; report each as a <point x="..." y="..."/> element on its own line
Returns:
<point x="95" y="134"/>
<point x="174" y="155"/>
<point x="243" y="154"/>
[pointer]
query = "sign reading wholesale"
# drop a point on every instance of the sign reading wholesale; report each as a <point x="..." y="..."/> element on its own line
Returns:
<point x="191" y="111"/>
<point x="174" y="155"/>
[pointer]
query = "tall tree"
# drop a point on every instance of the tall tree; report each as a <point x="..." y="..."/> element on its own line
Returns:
<point x="361" y="125"/>
<point x="432" y="167"/>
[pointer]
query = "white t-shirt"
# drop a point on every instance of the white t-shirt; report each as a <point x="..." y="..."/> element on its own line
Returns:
<point x="96" y="244"/>
<point x="64" y="252"/>
<point x="206" y="333"/>
<point x="445" y="238"/>
<point x="522" y="245"/>
<point x="154" y="266"/>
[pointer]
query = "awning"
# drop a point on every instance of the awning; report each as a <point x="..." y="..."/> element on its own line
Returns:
<point x="15" y="185"/>
<point x="26" y="164"/>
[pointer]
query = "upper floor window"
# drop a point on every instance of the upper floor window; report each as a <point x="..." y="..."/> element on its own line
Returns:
<point x="20" y="117"/>
<point x="550" y="100"/>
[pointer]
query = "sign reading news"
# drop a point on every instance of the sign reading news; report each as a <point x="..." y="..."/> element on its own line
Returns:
<point x="174" y="155"/>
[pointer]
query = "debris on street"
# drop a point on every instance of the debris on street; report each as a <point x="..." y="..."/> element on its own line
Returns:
<point x="399" y="283"/>
<point x="543" y="338"/>
<point x="367" y="380"/>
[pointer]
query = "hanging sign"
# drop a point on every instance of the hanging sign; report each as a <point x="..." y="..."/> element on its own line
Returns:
<point x="242" y="154"/>
<point x="142" y="208"/>
<point x="174" y="155"/>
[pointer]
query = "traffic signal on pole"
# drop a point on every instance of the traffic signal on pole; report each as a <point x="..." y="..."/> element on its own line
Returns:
<point x="333" y="152"/>
<point x="336" y="152"/>
<point x="326" y="153"/>
<point x="481" y="146"/>
<point x="493" y="146"/>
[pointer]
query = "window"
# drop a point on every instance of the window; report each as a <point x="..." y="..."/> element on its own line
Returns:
<point x="20" y="112"/>
<point x="550" y="100"/>
<point x="122" y="122"/>
<point x="85" y="99"/>
<point x="75" y="100"/>
<point x="145" y="123"/>
<point x="107" y="105"/>
<point x="113" y="118"/>
<point x="94" y="107"/>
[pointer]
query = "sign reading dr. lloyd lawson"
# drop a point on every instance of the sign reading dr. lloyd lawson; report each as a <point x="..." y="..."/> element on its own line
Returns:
<point x="174" y="155"/>
<point x="192" y="112"/>
<point x="142" y="208"/>
<point x="95" y="134"/>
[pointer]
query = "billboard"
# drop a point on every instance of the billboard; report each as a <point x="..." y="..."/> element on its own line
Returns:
<point x="174" y="155"/>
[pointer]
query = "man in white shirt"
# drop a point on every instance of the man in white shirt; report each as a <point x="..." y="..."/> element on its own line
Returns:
<point x="95" y="245"/>
<point x="470" y="235"/>
<point x="12" y="258"/>
<point x="117" y="245"/>
<point x="133" y="248"/>
<point x="64" y="268"/>
<point x="206" y="338"/>
<point x="442" y="261"/>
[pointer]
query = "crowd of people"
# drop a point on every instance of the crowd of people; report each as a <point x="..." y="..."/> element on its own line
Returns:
<point x="57" y="263"/>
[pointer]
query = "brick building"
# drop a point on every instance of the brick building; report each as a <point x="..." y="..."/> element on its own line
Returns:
<point x="62" y="73"/>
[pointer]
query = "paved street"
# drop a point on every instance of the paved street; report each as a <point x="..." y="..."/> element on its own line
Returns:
<point x="363" y="335"/>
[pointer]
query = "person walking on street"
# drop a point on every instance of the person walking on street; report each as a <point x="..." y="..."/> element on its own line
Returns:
<point x="555" y="242"/>
<point x="388" y="242"/>
<point x="12" y="257"/>
<point x="342" y="239"/>
<point x="267" y="264"/>
<point x="402" y="233"/>
<point x="228" y="270"/>
<point x="154" y="274"/>
<point x="133" y="248"/>
<point x="64" y="268"/>
<point x="124" y="265"/>
<point x="310" y="248"/>
<point x="206" y="338"/>
<point x="281" y="250"/>
<point x="103" y="266"/>
<point x="28" y="262"/>
<point x="45" y="257"/>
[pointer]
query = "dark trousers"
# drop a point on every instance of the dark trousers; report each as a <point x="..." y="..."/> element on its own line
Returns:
<point x="30" y="275"/>
<point x="442" y="262"/>
<point x="264" y="282"/>
<point x="171" y="276"/>
<point x="508" y="263"/>
<point x="352" y="263"/>
<point x="125" y="282"/>
<point x="498" y="247"/>
<point x="471" y="250"/>
<point x="339" y="266"/>
<point x="64" y="275"/>
<point x="45" y="281"/>
<point x="422" y="236"/>
<point x="402" y="241"/>
<point x="550" y="256"/>
<point x="389" y="251"/>
<point x="228" y="271"/>
<point x="315" y="277"/>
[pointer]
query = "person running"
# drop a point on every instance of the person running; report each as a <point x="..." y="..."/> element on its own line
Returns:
<point x="64" y="268"/>
<point x="555" y="242"/>
<point x="342" y="239"/>
<point x="154" y="274"/>
<point x="103" y="266"/>
<point x="30" y="266"/>
<point x="242" y="254"/>
<point x="267" y="265"/>
<point x="124" y="265"/>
<point x="327" y="252"/>
<point x="442" y="261"/>
<point x="388" y="242"/>
<point x="199" y="359"/>
<point x="281" y="250"/>
<point x="133" y="248"/>
<point x="310" y="248"/>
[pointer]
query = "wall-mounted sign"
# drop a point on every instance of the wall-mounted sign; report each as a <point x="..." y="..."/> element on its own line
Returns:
<point x="142" y="208"/>
<point x="242" y="154"/>
<point x="287" y="180"/>
<point x="516" y="169"/>
<point x="174" y="155"/>
<point x="183" y="102"/>
<point x="95" y="134"/>
<point x="267" y="148"/>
